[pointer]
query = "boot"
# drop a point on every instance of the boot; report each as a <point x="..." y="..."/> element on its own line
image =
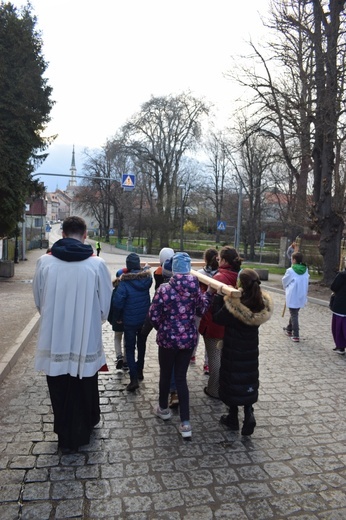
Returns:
<point x="231" y="420"/>
<point x="173" y="400"/>
<point x="249" y="421"/>
<point x="133" y="385"/>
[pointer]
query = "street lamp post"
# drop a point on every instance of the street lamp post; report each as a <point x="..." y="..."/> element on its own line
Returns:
<point x="237" y="240"/>
<point x="181" y="218"/>
<point x="26" y="208"/>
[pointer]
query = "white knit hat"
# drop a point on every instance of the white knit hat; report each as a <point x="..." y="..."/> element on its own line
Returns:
<point x="165" y="254"/>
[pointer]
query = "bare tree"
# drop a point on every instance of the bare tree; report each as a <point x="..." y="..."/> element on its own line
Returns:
<point x="164" y="129"/>
<point x="143" y="206"/>
<point x="218" y="168"/>
<point x="282" y="105"/>
<point x="329" y="53"/>
<point x="101" y="193"/>
<point x="251" y="156"/>
<point x="299" y="105"/>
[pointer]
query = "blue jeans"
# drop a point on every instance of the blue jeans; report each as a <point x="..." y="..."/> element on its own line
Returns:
<point x="133" y="338"/>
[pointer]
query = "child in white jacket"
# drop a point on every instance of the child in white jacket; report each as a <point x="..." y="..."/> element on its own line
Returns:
<point x="296" y="283"/>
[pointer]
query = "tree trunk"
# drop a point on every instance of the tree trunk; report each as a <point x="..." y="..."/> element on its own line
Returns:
<point x="325" y="219"/>
<point x="331" y="234"/>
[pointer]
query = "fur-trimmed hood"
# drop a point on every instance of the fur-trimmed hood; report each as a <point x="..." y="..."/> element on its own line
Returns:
<point x="244" y="314"/>
<point x="139" y="280"/>
<point x="135" y="275"/>
<point x="131" y="299"/>
<point x="116" y="282"/>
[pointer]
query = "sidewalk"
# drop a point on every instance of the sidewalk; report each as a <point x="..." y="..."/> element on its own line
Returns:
<point x="137" y="467"/>
<point x="18" y="314"/>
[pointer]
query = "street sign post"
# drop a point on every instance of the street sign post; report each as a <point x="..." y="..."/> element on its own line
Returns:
<point x="263" y="236"/>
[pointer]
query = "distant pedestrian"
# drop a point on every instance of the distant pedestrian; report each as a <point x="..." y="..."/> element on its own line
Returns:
<point x="338" y="308"/>
<point x="239" y="372"/>
<point x="98" y="248"/>
<point x="229" y="266"/>
<point x="130" y="305"/>
<point x="72" y="291"/>
<point x="296" y="284"/>
<point x="172" y="313"/>
<point x="290" y="250"/>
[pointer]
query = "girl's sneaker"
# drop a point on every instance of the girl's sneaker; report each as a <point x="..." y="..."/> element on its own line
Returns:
<point x="206" y="370"/>
<point x="185" y="430"/>
<point x="164" y="414"/>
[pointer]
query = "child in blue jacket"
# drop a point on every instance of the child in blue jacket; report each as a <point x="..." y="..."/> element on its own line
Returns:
<point x="118" y="327"/>
<point x="131" y="303"/>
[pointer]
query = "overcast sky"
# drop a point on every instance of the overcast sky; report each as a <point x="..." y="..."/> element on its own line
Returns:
<point x="106" y="58"/>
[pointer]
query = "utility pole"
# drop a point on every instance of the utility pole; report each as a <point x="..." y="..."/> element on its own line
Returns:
<point x="240" y="198"/>
<point x="181" y="218"/>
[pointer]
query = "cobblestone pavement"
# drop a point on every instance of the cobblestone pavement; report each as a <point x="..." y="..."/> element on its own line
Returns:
<point x="137" y="467"/>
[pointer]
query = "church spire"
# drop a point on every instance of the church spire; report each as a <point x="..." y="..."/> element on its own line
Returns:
<point x="73" y="170"/>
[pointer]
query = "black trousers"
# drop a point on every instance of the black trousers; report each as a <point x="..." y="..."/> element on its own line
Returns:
<point x="76" y="408"/>
<point x="178" y="360"/>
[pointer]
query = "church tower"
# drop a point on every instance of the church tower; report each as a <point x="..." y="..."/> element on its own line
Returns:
<point x="73" y="171"/>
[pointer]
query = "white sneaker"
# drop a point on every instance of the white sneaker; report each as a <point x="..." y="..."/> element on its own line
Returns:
<point x="185" y="430"/>
<point x="163" y="414"/>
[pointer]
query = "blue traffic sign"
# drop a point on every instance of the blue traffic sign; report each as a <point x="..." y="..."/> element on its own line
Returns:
<point x="111" y="232"/>
<point x="128" y="181"/>
<point x="221" y="225"/>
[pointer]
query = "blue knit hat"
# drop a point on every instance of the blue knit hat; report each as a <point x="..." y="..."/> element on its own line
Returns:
<point x="167" y="268"/>
<point x="181" y="263"/>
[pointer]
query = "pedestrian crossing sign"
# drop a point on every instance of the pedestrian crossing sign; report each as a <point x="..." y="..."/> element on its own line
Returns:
<point x="128" y="181"/>
<point x="221" y="225"/>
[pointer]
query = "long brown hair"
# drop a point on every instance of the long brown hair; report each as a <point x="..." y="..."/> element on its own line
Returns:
<point x="210" y="258"/>
<point x="252" y="295"/>
<point x="231" y="256"/>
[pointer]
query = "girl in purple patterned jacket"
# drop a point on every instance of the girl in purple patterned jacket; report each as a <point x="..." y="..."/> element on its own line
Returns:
<point x="172" y="313"/>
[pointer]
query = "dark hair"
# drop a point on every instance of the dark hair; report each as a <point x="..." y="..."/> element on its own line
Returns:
<point x="210" y="258"/>
<point x="252" y="294"/>
<point x="298" y="257"/>
<point x="231" y="256"/>
<point x="74" y="226"/>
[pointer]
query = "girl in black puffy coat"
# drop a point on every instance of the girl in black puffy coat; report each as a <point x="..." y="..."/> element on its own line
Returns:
<point x="239" y="375"/>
